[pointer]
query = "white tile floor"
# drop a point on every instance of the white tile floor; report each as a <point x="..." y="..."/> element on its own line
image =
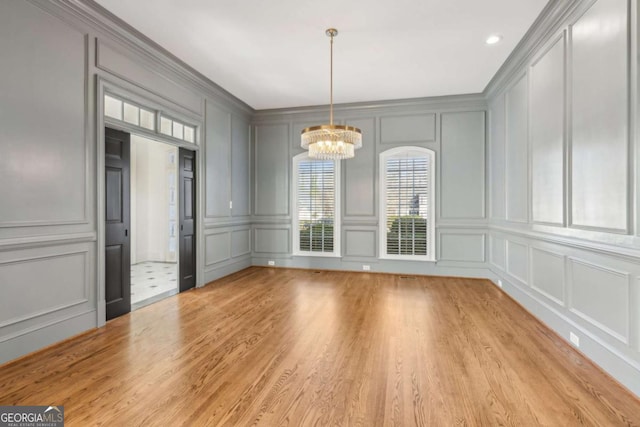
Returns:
<point x="150" y="279"/>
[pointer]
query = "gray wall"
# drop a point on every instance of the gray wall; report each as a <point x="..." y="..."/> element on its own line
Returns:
<point x="454" y="127"/>
<point x="228" y="201"/>
<point x="563" y="192"/>
<point x="58" y="58"/>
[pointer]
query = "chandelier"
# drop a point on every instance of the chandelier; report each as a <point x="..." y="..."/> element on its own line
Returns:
<point x="331" y="142"/>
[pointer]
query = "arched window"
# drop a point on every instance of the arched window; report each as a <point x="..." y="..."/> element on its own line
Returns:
<point x="407" y="223"/>
<point x="316" y="213"/>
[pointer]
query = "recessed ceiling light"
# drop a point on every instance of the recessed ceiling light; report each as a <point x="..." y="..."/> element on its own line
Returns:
<point x="493" y="39"/>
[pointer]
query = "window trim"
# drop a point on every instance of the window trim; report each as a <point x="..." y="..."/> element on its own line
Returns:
<point x="337" y="231"/>
<point x="431" y="229"/>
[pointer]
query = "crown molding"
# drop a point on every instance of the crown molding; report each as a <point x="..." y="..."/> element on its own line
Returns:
<point x="438" y="103"/>
<point x="553" y="17"/>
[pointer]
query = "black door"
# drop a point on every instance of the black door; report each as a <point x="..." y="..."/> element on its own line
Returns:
<point x="187" y="209"/>
<point x="118" y="246"/>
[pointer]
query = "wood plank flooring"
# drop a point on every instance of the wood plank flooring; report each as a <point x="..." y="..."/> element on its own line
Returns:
<point x="275" y="347"/>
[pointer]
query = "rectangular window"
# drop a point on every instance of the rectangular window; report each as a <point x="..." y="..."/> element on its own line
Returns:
<point x="131" y="114"/>
<point x="128" y="112"/>
<point x="408" y="223"/>
<point x="189" y="133"/>
<point x="166" y="126"/>
<point x="112" y="107"/>
<point x="147" y="119"/>
<point x="316" y="207"/>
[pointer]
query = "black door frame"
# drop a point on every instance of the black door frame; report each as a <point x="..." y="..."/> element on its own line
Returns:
<point x="187" y="209"/>
<point x="117" y="222"/>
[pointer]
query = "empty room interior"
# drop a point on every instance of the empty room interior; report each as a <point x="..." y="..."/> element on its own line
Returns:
<point x="335" y="213"/>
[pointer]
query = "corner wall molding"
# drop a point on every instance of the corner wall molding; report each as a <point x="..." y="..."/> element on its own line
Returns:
<point x="551" y="19"/>
<point x="437" y="103"/>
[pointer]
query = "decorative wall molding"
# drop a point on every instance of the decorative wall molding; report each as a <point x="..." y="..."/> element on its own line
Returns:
<point x="457" y="239"/>
<point x="618" y="363"/>
<point x="425" y="105"/>
<point x="84" y="278"/>
<point x="625" y="280"/>
<point x="83" y="217"/>
<point x="518" y="263"/>
<point x="39" y="241"/>
<point x="551" y="19"/>
<point x="542" y="286"/>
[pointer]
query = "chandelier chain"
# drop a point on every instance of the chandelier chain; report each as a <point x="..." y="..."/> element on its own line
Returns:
<point x="331" y="82"/>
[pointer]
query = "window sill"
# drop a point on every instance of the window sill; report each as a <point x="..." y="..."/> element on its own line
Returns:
<point x="317" y="254"/>
<point x="408" y="258"/>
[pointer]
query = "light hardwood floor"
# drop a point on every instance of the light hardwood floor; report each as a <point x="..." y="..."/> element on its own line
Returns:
<point x="292" y="347"/>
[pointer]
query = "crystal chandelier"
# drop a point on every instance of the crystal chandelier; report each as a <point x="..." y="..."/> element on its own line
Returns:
<point x="331" y="142"/>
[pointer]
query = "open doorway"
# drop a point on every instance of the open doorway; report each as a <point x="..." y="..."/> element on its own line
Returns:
<point x="150" y="230"/>
<point x="154" y="221"/>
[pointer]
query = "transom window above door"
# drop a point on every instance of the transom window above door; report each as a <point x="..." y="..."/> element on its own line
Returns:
<point x="147" y="118"/>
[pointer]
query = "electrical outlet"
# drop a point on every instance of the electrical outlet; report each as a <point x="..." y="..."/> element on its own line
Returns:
<point x="271" y="262"/>
<point x="575" y="340"/>
<point x="499" y="283"/>
<point x="230" y="205"/>
<point x="366" y="267"/>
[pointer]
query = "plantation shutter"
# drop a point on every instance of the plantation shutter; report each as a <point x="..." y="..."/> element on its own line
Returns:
<point x="407" y="204"/>
<point x="316" y="205"/>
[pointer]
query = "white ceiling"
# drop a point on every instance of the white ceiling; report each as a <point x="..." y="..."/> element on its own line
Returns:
<point x="274" y="54"/>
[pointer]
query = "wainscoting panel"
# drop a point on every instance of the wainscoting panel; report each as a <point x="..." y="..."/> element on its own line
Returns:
<point x="46" y="294"/>
<point x="498" y="252"/>
<point x="518" y="261"/>
<point x="548" y="274"/>
<point x="240" y="242"/>
<point x="600" y="296"/>
<point x="217" y="247"/>
<point x="272" y="240"/>
<point x="460" y="246"/>
<point x="360" y="243"/>
<point x="407" y="129"/>
<point x="29" y="285"/>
